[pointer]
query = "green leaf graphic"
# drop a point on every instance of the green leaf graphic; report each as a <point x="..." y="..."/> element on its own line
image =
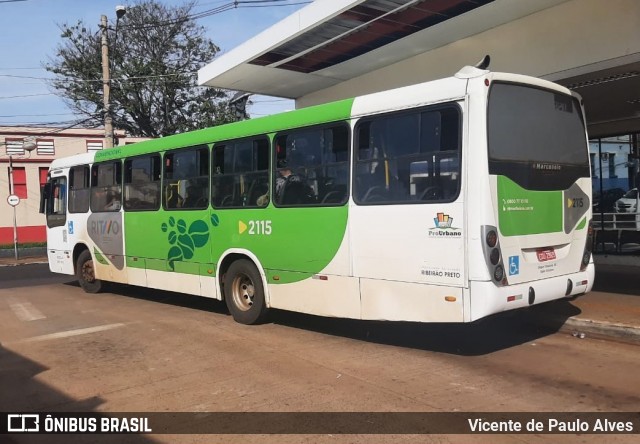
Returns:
<point x="175" y="254"/>
<point x="186" y="245"/>
<point x="182" y="226"/>
<point x="199" y="232"/>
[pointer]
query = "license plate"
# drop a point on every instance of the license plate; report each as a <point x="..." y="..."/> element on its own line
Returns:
<point x="546" y="254"/>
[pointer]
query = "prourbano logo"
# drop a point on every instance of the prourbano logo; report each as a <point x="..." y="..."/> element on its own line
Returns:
<point x="443" y="227"/>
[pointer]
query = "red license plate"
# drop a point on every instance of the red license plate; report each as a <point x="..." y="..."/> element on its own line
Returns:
<point x="546" y="254"/>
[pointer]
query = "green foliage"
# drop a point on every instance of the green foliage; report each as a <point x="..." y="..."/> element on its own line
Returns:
<point x="155" y="52"/>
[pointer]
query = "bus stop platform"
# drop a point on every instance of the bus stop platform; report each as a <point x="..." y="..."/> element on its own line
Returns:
<point x="611" y="310"/>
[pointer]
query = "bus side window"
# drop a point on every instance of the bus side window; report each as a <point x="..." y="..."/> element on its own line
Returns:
<point x="142" y="183"/>
<point x="312" y="166"/>
<point x="106" y="186"/>
<point x="240" y="173"/>
<point x="186" y="178"/>
<point x="79" y="189"/>
<point x="56" y="204"/>
<point x="408" y="157"/>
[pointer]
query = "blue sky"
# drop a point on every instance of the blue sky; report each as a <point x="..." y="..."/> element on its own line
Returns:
<point x="29" y="35"/>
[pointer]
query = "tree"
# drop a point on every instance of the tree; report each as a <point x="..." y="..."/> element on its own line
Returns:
<point x="155" y="52"/>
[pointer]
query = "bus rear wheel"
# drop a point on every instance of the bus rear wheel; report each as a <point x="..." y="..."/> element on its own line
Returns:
<point x="244" y="293"/>
<point x="86" y="273"/>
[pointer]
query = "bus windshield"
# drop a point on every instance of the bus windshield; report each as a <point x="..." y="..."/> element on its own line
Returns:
<point x="533" y="130"/>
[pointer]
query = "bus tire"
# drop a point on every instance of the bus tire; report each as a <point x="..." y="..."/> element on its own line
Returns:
<point x="86" y="273"/>
<point x="244" y="293"/>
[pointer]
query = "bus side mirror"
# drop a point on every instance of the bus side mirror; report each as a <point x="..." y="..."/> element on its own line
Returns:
<point x="44" y="196"/>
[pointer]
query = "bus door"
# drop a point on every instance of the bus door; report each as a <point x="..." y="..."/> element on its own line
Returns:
<point x="53" y="203"/>
<point x="407" y="222"/>
<point x="105" y="222"/>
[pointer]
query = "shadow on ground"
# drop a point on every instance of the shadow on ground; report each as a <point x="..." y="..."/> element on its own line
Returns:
<point x="21" y="392"/>
<point x="487" y="335"/>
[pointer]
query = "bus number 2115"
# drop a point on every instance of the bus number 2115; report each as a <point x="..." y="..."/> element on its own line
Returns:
<point x="259" y="227"/>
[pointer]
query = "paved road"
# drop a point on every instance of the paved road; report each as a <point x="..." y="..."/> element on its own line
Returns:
<point x="144" y="350"/>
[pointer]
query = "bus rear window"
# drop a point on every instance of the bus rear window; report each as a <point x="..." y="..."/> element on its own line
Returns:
<point x="528" y="124"/>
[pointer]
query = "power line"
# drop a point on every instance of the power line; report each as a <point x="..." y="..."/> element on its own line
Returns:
<point x="219" y="9"/>
<point x="67" y="124"/>
<point x="183" y="73"/>
<point x="13" y="76"/>
<point x="26" y="95"/>
<point x="222" y="7"/>
<point x="36" y="115"/>
<point x="14" y="68"/>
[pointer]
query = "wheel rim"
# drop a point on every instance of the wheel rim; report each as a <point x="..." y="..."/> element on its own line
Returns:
<point x="88" y="273"/>
<point x="242" y="292"/>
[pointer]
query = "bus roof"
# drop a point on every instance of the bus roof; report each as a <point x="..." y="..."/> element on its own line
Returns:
<point x="411" y="95"/>
<point x="69" y="161"/>
<point x="313" y="115"/>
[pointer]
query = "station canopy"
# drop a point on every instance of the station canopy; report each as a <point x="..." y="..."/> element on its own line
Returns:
<point x="329" y="42"/>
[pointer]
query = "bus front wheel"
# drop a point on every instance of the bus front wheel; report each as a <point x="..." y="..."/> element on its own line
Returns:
<point x="244" y="293"/>
<point x="86" y="273"/>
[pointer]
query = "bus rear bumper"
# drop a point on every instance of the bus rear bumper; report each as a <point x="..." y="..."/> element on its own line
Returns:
<point x="486" y="298"/>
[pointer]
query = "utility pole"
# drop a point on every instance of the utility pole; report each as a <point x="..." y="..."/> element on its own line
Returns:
<point x="106" y="86"/>
<point x="15" y="224"/>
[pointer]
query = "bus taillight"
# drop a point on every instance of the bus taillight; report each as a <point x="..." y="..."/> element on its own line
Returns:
<point x="586" y="256"/>
<point x="492" y="238"/>
<point x="493" y="255"/>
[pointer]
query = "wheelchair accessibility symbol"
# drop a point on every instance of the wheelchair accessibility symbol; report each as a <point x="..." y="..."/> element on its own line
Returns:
<point x="514" y="265"/>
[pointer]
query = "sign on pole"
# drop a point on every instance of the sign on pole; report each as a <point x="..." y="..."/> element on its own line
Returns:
<point x="13" y="200"/>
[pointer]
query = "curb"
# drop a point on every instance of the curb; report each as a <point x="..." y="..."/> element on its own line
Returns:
<point x="582" y="328"/>
<point x="9" y="253"/>
<point x="25" y="261"/>
<point x="602" y="329"/>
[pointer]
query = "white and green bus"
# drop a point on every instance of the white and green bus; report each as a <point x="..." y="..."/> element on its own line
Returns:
<point x="446" y="201"/>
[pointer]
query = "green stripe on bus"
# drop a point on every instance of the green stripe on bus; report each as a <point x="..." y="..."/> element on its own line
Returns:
<point x="522" y="211"/>
<point x="300" y="240"/>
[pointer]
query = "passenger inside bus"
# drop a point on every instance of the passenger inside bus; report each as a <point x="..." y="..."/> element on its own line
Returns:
<point x="195" y="198"/>
<point x="285" y="175"/>
<point x="113" y="203"/>
<point x="290" y="187"/>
